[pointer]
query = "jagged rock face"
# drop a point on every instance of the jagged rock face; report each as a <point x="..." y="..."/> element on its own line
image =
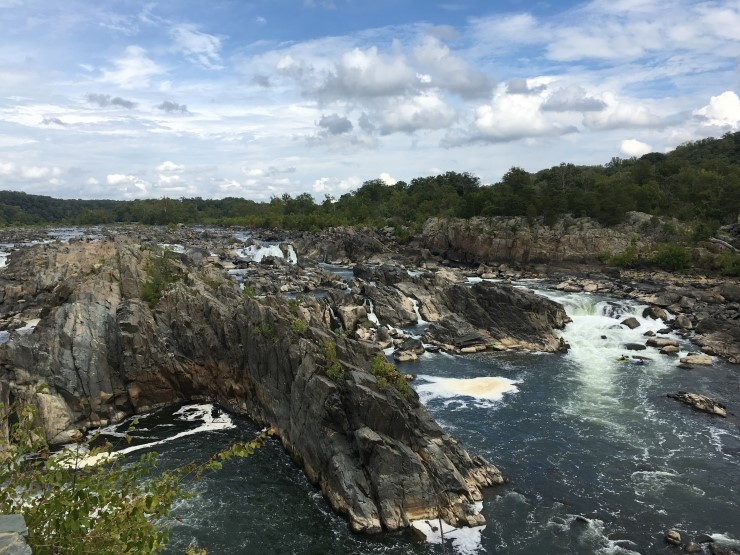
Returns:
<point x="102" y="353"/>
<point x="463" y="316"/>
<point x="493" y="240"/>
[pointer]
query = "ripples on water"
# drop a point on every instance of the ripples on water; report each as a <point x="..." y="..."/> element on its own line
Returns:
<point x="599" y="460"/>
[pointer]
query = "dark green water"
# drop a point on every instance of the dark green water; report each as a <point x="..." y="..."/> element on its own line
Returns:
<point x="598" y="459"/>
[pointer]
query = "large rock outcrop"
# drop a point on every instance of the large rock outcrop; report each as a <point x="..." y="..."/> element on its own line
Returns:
<point x="99" y="353"/>
<point x="460" y="315"/>
<point x="506" y="239"/>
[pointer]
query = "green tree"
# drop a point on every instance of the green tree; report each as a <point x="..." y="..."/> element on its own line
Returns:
<point x="87" y="500"/>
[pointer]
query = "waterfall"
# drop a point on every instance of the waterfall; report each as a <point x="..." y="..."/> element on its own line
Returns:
<point x="419" y="319"/>
<point x="371" y="313"/>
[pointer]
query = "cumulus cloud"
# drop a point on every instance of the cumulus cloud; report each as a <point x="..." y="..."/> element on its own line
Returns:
<point x="509" y="118"/>
<point x="451" y="72"/>
<point x="172" y="107"/>
<point x="367" y="74"/>
<point x="328" y="185"/>
<point x="130" y="186"/>
<point x="105" y="100"/>
<point x="169" y="167"/>
<point x="633" y="147"/>
<point x="572" y="99"/>
<point x="335" y="125"/>
<point x="386" y="178"/>
<point x="722" y="111"/>
<point x="201" y="48"/>
<point x="423" y="111"/>
<point x="30" y="173"/>
<point x="621" y="113"/>
<point x="133" y="70"/>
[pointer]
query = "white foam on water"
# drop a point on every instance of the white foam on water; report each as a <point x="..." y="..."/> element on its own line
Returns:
<point x="242" y="236"/>
<point x="725" y="540"/>
<point x="371" y="313"/>
<point x="4" y="337"/>
<point x="597" y="340"/>
<point x="654" y="484"/>
<point x="4" y="255"/>
<point x="174" y="247"/>
<point x="188" y="413"/>
<point x="419" y="319"/>
<point x="256" y="253"/>
<point x="465" y="541"/>
<point x="485" y="391"/>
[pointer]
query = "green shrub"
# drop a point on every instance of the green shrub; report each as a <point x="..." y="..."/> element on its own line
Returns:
<point x="385" y="374"/>
<point x="120" y="505"/>
<point x="249" y="291"/>
<point x="267" y="331"/>
<point x="300" y="326"/>
<point x="213" y="283"/>
<point x="333" y="369"/>
<point x="672" y="257"/>
<point x="162" y="272"/>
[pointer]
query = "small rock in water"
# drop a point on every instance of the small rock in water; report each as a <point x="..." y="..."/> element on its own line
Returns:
<point x="673" y="537"/>
<point x="697" y="358"/>
<point x="692" y="547"/>
<point x="700" y="402"/>
<point x="631" y="322"/>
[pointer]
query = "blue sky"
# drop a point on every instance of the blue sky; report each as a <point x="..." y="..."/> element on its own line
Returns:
<point x="146" y="99"/>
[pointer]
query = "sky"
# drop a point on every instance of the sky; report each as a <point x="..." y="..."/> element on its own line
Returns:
<point x="134" y="99"/>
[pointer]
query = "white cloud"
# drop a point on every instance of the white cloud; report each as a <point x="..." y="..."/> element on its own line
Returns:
<point x="30" y="174"/>
<point x="621" y="113"/>
<point x="510" y="117"/>
<point x="169" y="167"/>
<point x="633" y="147"/>
<point x="133" y="70"/>
<point x="92" y="181"/>
<point x="201" y="48"/>
<point x="386" y="178"/>
<point x="572" y="99"/>
<point x="723" y="111"/>
<point x="450" y="72"/>
<point x="423" y="111"/>
<point x="366" y="73"/>
<point x="129" y="186"/>
<point x="328" y="185"/>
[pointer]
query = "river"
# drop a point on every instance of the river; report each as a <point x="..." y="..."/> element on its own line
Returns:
<point x="598" y="459"/>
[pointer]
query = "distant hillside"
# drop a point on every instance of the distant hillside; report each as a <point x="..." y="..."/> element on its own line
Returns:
<point x="698" y="183"/>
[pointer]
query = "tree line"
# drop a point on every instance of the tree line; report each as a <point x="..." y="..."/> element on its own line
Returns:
<point x="697" y="182"/>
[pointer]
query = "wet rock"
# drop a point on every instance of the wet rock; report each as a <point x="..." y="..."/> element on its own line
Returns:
<point x="683" y="322"/>
<point x="692" y="547"/>
<point x="634" y="347"/>
<point x="631" y="322"/>
<point x="404" y="356"/>
<point x="697" y="359"/>
<point x="660" y="342"/>
<point x="673" y="537"/>
<point x="669" y="350"/>
<point x="700" y="402"/>
<point x="719" y="549"/>
<point x="654" y="312"/>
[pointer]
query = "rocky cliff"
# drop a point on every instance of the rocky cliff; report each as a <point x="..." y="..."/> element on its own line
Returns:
<point x="99" y="353"/>
<point x="515" y="240"/>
